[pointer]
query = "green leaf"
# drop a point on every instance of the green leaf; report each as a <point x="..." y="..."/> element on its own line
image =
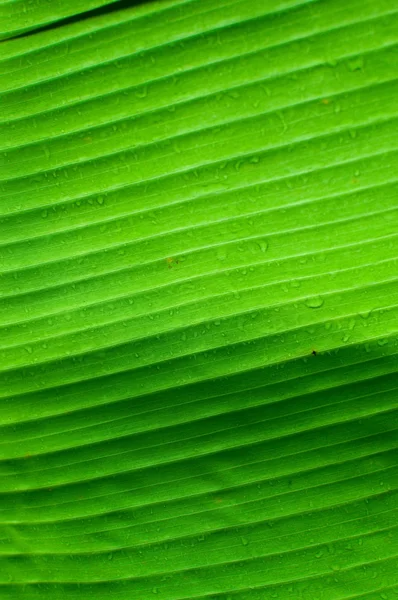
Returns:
<point x="199" y="300"/>
<point x="21" y="16"/>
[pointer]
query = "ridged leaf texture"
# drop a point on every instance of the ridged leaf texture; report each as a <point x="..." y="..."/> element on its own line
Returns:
<point x="198" y="300"/>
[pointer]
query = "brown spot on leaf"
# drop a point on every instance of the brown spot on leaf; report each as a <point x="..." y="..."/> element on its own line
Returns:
<point x="172" y="261"/>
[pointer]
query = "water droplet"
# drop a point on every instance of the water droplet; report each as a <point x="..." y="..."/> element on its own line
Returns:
<point x="382" y="342"/>
<point x="238" y="165"/>
<point x="244" y="541"/>
<point x="314" y="302"/>
<point x="100" y="199"/>
<point x="44" y="214"/>
<point x="142" y="92"/>
<point x="366" y="315"/>
<point x="263" y="246"/>
<point x="345" y="337"/>
<point x="356" y="64"/>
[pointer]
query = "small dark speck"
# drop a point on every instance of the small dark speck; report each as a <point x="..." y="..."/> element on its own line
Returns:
<point x="314" y="353"/>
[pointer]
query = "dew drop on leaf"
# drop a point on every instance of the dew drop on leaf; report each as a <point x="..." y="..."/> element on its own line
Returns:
<point x="366" y="315"/>
<point x="314" y="302"/>
<point x="244" y="541"/>
<point x="263" y="246"/>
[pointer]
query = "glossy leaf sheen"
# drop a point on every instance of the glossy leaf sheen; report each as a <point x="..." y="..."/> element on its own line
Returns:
<point x="198" y="300"/>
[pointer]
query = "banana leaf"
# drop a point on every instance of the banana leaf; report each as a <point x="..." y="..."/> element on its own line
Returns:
<point x="198" y="300"/>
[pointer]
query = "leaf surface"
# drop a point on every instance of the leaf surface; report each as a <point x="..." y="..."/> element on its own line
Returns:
<point x="199" y="301"/>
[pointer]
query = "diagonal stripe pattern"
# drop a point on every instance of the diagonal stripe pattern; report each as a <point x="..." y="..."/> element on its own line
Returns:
<point x="199" y="300"/>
